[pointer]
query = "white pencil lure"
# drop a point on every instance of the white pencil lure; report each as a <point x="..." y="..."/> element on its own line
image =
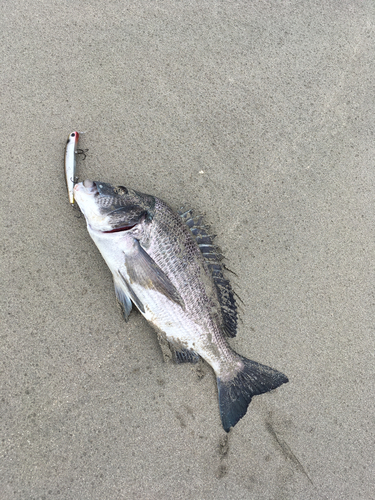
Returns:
<point x="70" y="163"/>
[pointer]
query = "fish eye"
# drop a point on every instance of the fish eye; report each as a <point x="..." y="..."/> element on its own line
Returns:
<point x="121" y="190"/>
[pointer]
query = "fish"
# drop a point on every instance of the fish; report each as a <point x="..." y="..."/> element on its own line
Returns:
<point x="70" y="163"/>
<point x="166" y="264"/>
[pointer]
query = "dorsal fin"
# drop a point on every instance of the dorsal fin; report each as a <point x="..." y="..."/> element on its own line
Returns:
<point x="213" y="256"/>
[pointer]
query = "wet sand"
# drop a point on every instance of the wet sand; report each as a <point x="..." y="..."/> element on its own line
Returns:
<point x="259" y="115"/>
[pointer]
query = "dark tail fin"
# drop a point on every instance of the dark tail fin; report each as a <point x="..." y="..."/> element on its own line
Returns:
<point x="235" y="394"/>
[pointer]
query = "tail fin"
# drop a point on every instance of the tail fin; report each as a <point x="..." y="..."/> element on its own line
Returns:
<point x="235" y="394"/>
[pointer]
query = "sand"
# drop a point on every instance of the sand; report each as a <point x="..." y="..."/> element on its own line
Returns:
<point x="259" y="115"/>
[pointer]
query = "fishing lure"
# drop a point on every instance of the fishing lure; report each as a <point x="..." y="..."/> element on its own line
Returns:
<point x="70" y="163"/>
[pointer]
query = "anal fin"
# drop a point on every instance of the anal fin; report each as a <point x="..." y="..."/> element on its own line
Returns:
<point x="176" y="355"/>
<point x="186" y="356"/>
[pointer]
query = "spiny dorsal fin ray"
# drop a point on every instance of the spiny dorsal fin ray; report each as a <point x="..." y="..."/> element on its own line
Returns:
<point x="213" y="256"/>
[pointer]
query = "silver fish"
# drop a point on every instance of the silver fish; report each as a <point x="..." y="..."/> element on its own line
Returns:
<point x="167" y="266"/>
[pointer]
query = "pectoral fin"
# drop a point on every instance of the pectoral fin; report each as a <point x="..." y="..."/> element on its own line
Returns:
<point x="142" y="270"/>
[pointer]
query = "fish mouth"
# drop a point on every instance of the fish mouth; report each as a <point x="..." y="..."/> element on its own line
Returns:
<point x="90" y="186"/>
<point x="87" y="187"/>
<point x="98" y="188"/>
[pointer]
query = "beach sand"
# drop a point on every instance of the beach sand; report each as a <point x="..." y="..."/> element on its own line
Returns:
<point x="259" y="115"/>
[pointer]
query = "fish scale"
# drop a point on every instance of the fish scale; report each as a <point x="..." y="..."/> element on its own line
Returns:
<point x="166" y="265"/>
<point x="176" y="253"/>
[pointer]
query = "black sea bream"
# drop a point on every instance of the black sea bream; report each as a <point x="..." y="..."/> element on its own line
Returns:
<point x="167" y="266"/>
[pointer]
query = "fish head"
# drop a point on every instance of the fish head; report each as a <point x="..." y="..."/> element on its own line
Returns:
<point x="109" y="208"/>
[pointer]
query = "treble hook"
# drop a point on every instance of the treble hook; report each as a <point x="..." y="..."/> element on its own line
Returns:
<point x="75" y="180"/>
<point x="82" y="152"/>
